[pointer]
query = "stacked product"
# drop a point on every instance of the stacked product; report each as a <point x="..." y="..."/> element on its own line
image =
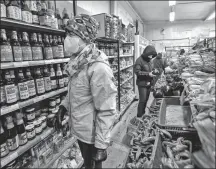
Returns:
<point x="22" y="48"/>
<point x="39" y="12"/>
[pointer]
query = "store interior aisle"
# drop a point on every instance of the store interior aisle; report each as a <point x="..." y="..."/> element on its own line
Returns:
<point x="117" y="152"/>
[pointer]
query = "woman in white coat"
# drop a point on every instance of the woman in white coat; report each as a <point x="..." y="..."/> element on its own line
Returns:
<point x="91" y="98"/>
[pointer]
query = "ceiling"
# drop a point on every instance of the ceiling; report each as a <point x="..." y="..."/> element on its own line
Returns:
<point x="185" y="10"/>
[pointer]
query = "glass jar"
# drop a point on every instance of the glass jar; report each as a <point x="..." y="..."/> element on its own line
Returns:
<point x="38" y="127"/>
<point x="43" y="119"/>
<point x="30" y="131"/>
<point x="30" y="114"/>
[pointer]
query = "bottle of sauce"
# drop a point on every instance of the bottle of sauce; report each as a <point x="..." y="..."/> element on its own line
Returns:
<point x="59" y="77"/>
<point x="17" y="50"/>
<point x="2" y="91"/>
<point x="26" y="12"/>
<point x="36" y="48"/>
<point x="2" y="9"/>
<point x="13" y="79"/>
<point x="14" y="10"/>
<point x="47" y="80"/>
<point x="3" y="142"/>
<point x="53" y="78"/>
<point x="39" y="81"/>
<point x="30" y="83"/>
<point x="48" y="53"/>
<point x="21" y="132"/>
<point x="26" y="48"/>
<point x="34" y="11"/>
<point x="22" y="86"/>
<point x="43" y="16"/>
<point x="53" y="19"/>
<point x="40" y="42"/>
<point x="10" y="89"/>
<point x="58" y="16"/>
<point x="5" y="48"/>
<point x="65" y="75"/>
<point x="12" y="139"/>
<point x="60" y="47"/>
<point x="65" y="17"/>
<point x="55" y="48"/>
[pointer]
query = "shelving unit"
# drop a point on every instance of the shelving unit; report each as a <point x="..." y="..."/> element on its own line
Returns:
<point x="20" y="105"/>
<point x="13" y="155"/>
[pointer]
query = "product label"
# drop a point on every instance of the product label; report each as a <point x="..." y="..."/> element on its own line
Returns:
<point x="61" y="51"/>
<point x="3" y="97"/>
<point x="38" y="129"/>
<point x="23" y="90"/>
<point x="54" y="84"/>
<point x="4" y="150"/>
<point x="31" y="88"/>
<point x="3" y="11"/>
<point x="27" y="16"/>
<point x="26" y="53"/>
<point x="14" y="12"/>
<point x="6" y="53"/>
<point x="35" y="19"/>
<point x="33" y="5"/>
<point x="48" y="83"/>
<point x="40" y="86"/>
<point x="22" y="138"/>
<point x="66" y="80"/>
<point x="55" y="52"/>
<point x="13" y="143"/>
<point x="48" y="53"/>
<point x="54" y="23"/>
<point x="37" y="53"/>
<point x="17" y="52"/>
<point x="65" y="21"/>
<point x="10" y="92"/>
<point x="61" y="82"/>
<point x="30" y="116"/>
<point x="17" y="92"/>
<point x="30" y="134"/>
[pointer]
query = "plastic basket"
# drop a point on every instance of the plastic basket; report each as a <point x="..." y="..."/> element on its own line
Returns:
<point x="175" y="129"/>
<point x="158" y="150"/>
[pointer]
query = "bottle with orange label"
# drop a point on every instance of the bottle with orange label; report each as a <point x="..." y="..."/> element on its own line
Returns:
<point x="36" y="48"/>
<point x="48" y="53"/>
<point x="30" y="83"/>
<point x="26" y="47"/>
<point x="39" y="81"/>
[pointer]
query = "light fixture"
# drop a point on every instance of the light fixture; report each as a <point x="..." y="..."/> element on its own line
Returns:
<point x="172" y="3"/>
<point x="211" y="16"/>
<point x="172" y="16"/>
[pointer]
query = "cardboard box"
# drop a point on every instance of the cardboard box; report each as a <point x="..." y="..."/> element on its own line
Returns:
<point x="101" y="19"/>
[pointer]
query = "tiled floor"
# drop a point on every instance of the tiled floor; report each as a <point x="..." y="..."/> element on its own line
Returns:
<point x="117" y="156"/>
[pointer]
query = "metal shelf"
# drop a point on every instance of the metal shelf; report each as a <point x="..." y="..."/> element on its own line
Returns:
<point x="11" y="65"/>
<point x="19" y="25"/>
<point x="22" y="149"/>
<point x="7" y="109"/>
<point x="123" y="68"/>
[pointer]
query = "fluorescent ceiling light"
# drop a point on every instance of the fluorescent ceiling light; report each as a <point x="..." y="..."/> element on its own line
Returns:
<point x="172" y="3"/>
<point x="210" y="17"/>
<point x="172" y="16"/>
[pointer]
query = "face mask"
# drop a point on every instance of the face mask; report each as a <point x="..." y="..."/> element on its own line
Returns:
<point x="71" y="45"/>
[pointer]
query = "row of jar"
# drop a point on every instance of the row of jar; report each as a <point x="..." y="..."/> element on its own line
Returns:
<point x="19" y="47"/>
<point x="19" y="86"/>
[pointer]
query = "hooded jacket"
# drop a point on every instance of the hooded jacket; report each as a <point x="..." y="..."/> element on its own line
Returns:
<point x="143" y="67"/>
<point x="91" y="101"/>
<point x="159" y="63"/>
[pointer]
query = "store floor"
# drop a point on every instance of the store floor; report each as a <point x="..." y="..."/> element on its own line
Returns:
<point x="117" y="152"/>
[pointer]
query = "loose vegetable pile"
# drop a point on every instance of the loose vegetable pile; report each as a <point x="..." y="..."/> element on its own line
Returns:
<point x="177" y="153"/>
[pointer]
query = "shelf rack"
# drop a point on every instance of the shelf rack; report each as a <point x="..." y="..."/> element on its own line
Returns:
<point x="11" y="65"/>
<point x="7" y="109"/>
<point x="22" y="149"/>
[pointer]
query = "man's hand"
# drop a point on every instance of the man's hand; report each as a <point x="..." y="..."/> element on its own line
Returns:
<point x="60" y="115"/>
<point x="151" y="74"/>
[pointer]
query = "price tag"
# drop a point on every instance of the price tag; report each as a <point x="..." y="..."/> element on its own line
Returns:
<point x="7" y="65"/>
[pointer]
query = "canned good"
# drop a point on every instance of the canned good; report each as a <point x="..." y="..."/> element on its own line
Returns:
<point x="30" y="130"/>
<point x="51" y="120"/>
<point x="38" y="126"/>
<point x="30" y="114"/>
<point x="44" y="122"/>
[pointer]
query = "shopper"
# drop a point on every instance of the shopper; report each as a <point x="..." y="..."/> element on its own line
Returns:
<point x="159" y="63"/>
<point x="143" y="70"/>
<point x="91" y="98"/>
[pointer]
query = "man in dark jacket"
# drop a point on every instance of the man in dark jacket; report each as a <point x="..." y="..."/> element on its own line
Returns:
<point x="143" y="70"/>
